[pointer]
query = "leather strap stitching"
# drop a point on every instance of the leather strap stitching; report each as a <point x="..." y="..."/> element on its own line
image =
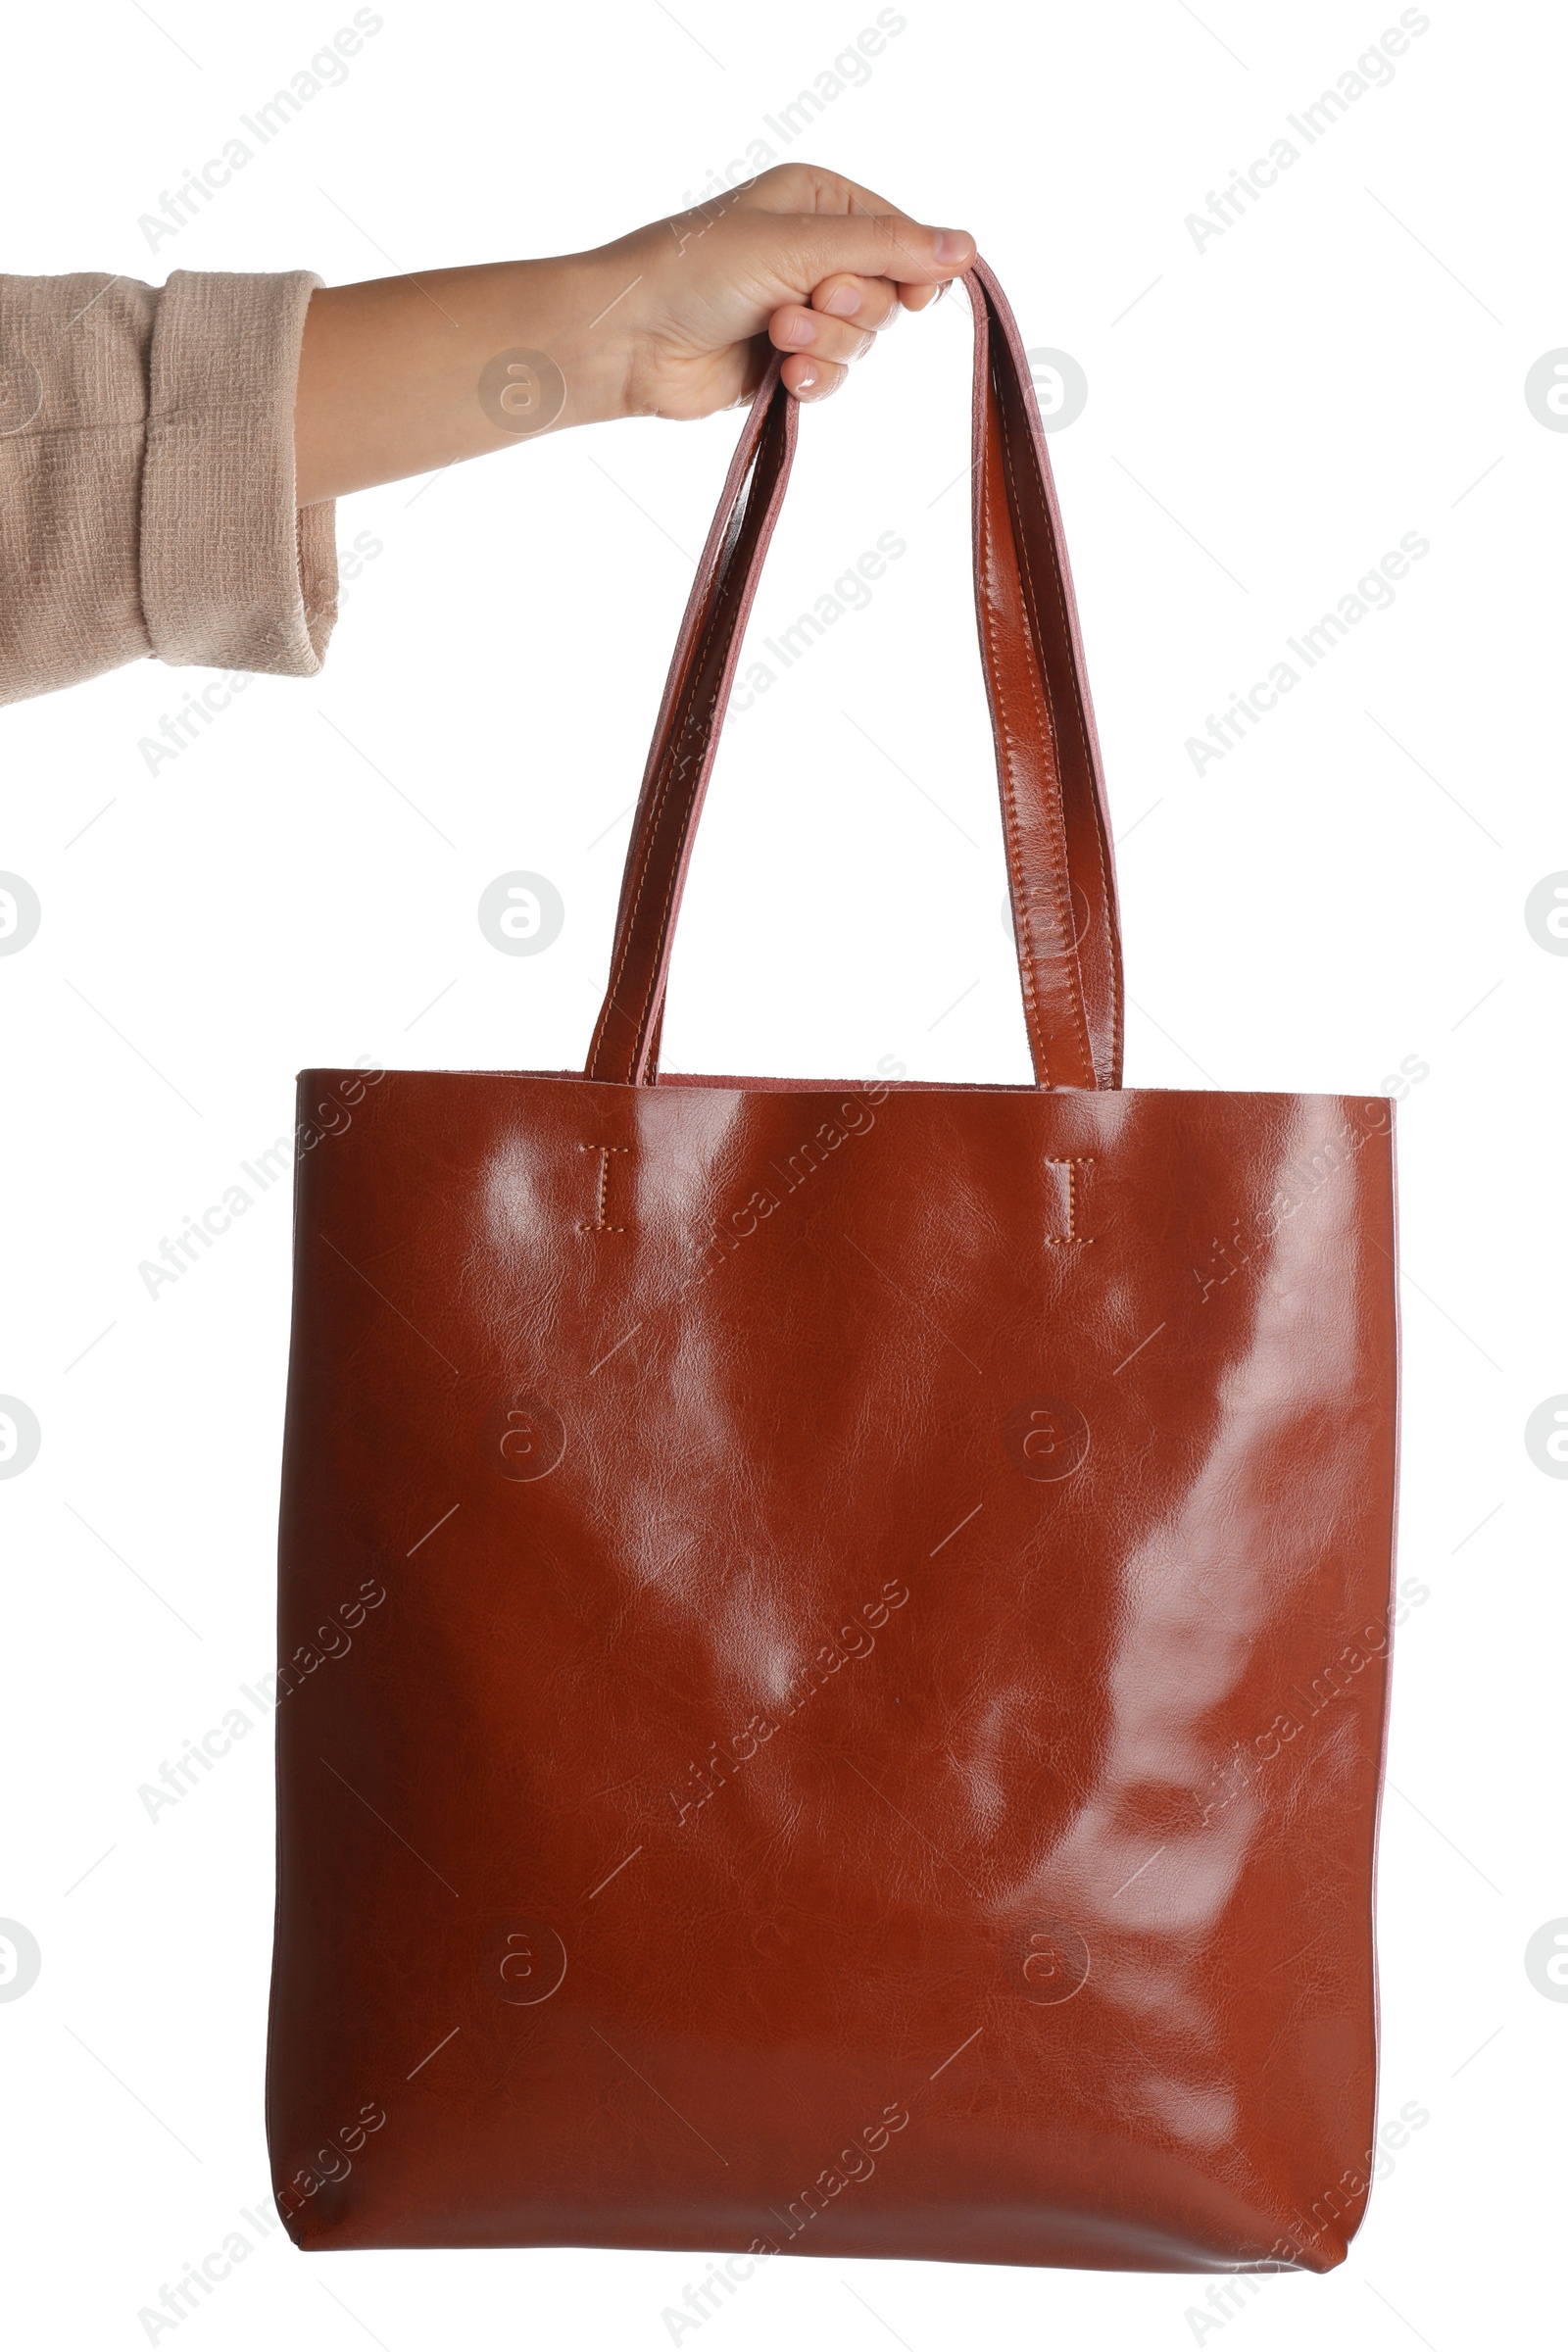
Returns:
<point x="1026" y="962"/>
<point x="1106" y="900"/>
<point x="1059" y="868"/>
<point x="669" y="770"/>
<point x="705" y="746"/>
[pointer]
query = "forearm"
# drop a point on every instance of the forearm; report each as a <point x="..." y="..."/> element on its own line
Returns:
<point x="157" y="445"/>
<point x="390" y="371"/>
<point x="404" y="375"/>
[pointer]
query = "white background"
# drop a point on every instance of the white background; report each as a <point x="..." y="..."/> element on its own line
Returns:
<point x="1343" y="893"/>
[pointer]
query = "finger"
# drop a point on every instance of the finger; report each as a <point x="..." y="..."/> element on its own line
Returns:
<point x="811" y="378"/>
<point x="871" y="302"/>
<point x="795" y="328"/>
<point x="920" y="298"/>
<point x="883" y="245"/>
<point x="806" y="247"/>
<point x="852" y="222"/>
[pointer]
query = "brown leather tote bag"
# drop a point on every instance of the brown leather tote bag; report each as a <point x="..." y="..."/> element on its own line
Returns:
<point x="836" y="1632"/>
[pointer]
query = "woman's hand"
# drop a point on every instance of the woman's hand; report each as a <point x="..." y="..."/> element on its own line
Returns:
<point x="402" y="375"/>
<point x="811" y="262"/>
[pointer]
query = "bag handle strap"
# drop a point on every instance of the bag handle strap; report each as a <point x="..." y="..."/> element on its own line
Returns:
<point x="1055" y="822"/>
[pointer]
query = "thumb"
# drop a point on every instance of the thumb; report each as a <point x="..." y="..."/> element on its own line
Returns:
<point x="876" y="241"/>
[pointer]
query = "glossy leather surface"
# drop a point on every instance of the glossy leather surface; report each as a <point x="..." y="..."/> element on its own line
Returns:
<point x="871" y="1740"/>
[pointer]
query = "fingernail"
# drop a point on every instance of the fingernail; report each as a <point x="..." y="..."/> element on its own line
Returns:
<point x="843" y="302"/>
<point x="801" y="329"/>
<point x="952" y="245"/>
<point x="808" y="378"/>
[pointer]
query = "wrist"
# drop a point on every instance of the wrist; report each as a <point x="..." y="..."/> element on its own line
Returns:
<point x="576" y="309"/>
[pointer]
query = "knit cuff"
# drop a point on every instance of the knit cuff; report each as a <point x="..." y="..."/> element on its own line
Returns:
<point x="234" y="575"/>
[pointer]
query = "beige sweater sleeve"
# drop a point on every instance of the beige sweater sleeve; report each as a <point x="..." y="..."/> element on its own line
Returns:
<point x="147" y="480"/>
